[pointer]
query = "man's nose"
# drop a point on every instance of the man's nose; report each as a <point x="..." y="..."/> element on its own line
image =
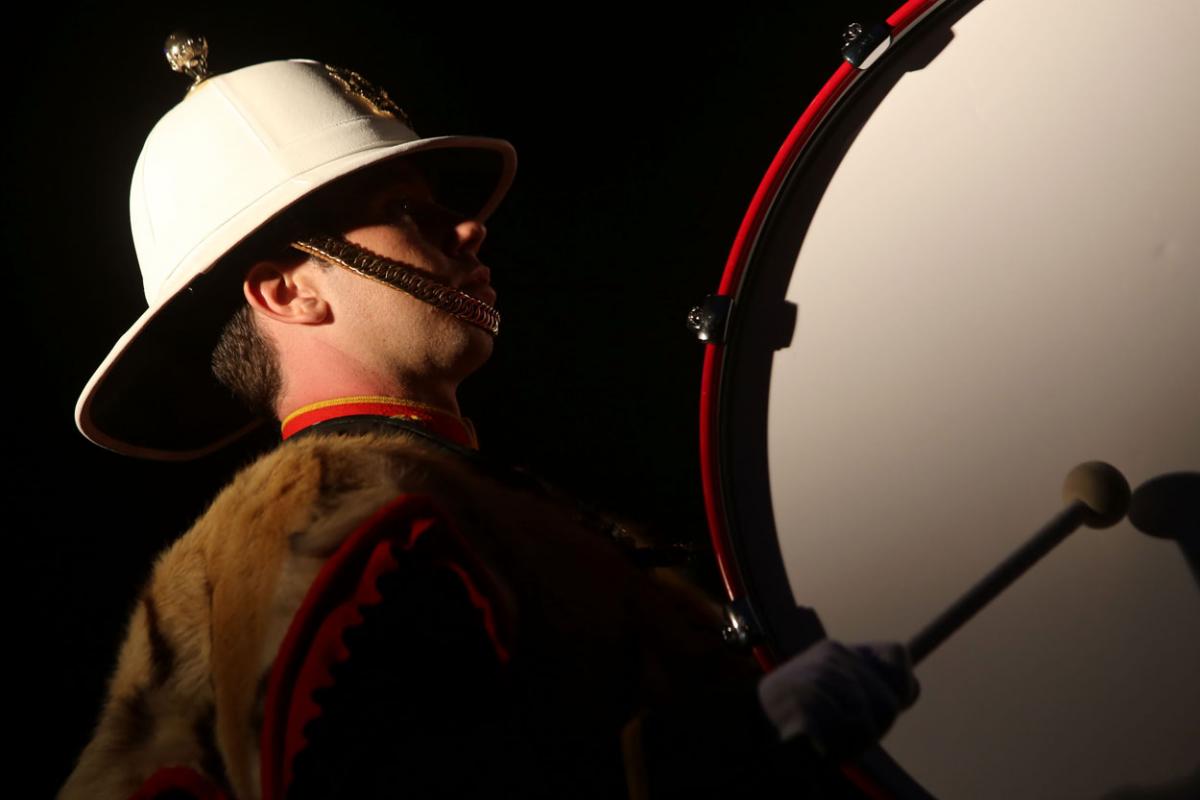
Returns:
<point x="468" y="236"/>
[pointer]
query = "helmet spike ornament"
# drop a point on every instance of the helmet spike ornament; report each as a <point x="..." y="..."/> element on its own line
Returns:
<point x="188" y="55"/>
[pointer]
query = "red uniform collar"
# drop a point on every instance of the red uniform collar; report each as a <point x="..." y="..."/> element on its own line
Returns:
<point x="441" y="423"/>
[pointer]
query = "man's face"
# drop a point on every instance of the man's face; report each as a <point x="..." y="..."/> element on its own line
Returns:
<point x="391" y="211"/>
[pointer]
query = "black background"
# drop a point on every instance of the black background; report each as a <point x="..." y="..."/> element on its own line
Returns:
<point x="642" y="131"/>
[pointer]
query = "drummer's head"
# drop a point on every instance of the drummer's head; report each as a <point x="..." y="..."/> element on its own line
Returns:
<point x="329" y="248"/>
<point x="308" y="330"/>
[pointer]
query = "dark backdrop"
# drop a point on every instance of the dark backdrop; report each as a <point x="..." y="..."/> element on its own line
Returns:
<point x="641" y="130"/>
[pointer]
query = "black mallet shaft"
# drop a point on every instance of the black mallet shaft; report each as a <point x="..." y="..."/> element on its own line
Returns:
<point x="1096" y="494"/>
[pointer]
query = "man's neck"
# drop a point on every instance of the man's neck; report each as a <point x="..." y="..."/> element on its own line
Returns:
<point x="335" y="414"/>
<point x="317" y="391"/>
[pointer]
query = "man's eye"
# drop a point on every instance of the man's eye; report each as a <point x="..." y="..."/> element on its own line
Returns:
<point x="401" y="208"/>
<point x="423" y="212"/>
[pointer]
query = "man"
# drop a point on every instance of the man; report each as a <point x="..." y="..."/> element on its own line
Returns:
<point x="376" y="607"/>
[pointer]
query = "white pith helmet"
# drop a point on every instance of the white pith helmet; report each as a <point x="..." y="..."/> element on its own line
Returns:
<point x="239" y="149"/>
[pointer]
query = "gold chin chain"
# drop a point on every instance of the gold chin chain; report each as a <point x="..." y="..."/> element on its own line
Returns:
<point x="358" y="259"/>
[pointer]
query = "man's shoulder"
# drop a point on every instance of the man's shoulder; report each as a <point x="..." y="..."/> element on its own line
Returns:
<point x="303" y="462"/>
<point x="320" y="481"/>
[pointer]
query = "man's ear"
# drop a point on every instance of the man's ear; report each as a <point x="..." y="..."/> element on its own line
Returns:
<point x="289" y="293"/>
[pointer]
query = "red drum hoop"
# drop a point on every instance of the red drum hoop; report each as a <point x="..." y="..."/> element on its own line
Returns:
<point x="817" y="113"/>
<point x="1095" y="251"/>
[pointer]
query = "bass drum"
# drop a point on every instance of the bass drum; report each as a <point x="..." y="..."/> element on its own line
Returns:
<point x="975" y="264"/>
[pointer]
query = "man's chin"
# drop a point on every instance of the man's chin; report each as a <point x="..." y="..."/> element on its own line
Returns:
<point x="477" y="350"/>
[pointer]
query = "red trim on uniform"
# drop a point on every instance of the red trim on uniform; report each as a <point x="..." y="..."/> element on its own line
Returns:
<point x="863" y="782"/>
<point x="311" y="664"/>
<point x="444" y="424"/>
<point x="480" y="601"/>
<point x="179" y="779"/>
<point x="409" y="524"/>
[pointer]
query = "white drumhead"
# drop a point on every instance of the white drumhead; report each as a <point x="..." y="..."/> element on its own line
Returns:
<point x="1002" y="281"/>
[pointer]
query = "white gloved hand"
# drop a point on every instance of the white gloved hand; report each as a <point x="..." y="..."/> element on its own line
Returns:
<point x="844" y="699"/>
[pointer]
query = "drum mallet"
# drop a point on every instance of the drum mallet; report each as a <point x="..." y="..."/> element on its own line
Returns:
<point x="1096" y="494"/>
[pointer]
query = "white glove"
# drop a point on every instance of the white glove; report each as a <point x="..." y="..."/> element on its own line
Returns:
<point x="844" y="699"/>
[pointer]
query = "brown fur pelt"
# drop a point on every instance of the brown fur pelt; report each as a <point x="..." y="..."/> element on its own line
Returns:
<point x="190" y="677"/>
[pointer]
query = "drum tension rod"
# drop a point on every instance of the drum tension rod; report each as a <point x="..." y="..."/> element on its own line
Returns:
<point x="862" y="46"/>
<point x="710" y="320"/>
<point x="741" y="627"/>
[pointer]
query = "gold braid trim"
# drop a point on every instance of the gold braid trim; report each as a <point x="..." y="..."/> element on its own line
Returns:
<point x="362" y="261"/>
